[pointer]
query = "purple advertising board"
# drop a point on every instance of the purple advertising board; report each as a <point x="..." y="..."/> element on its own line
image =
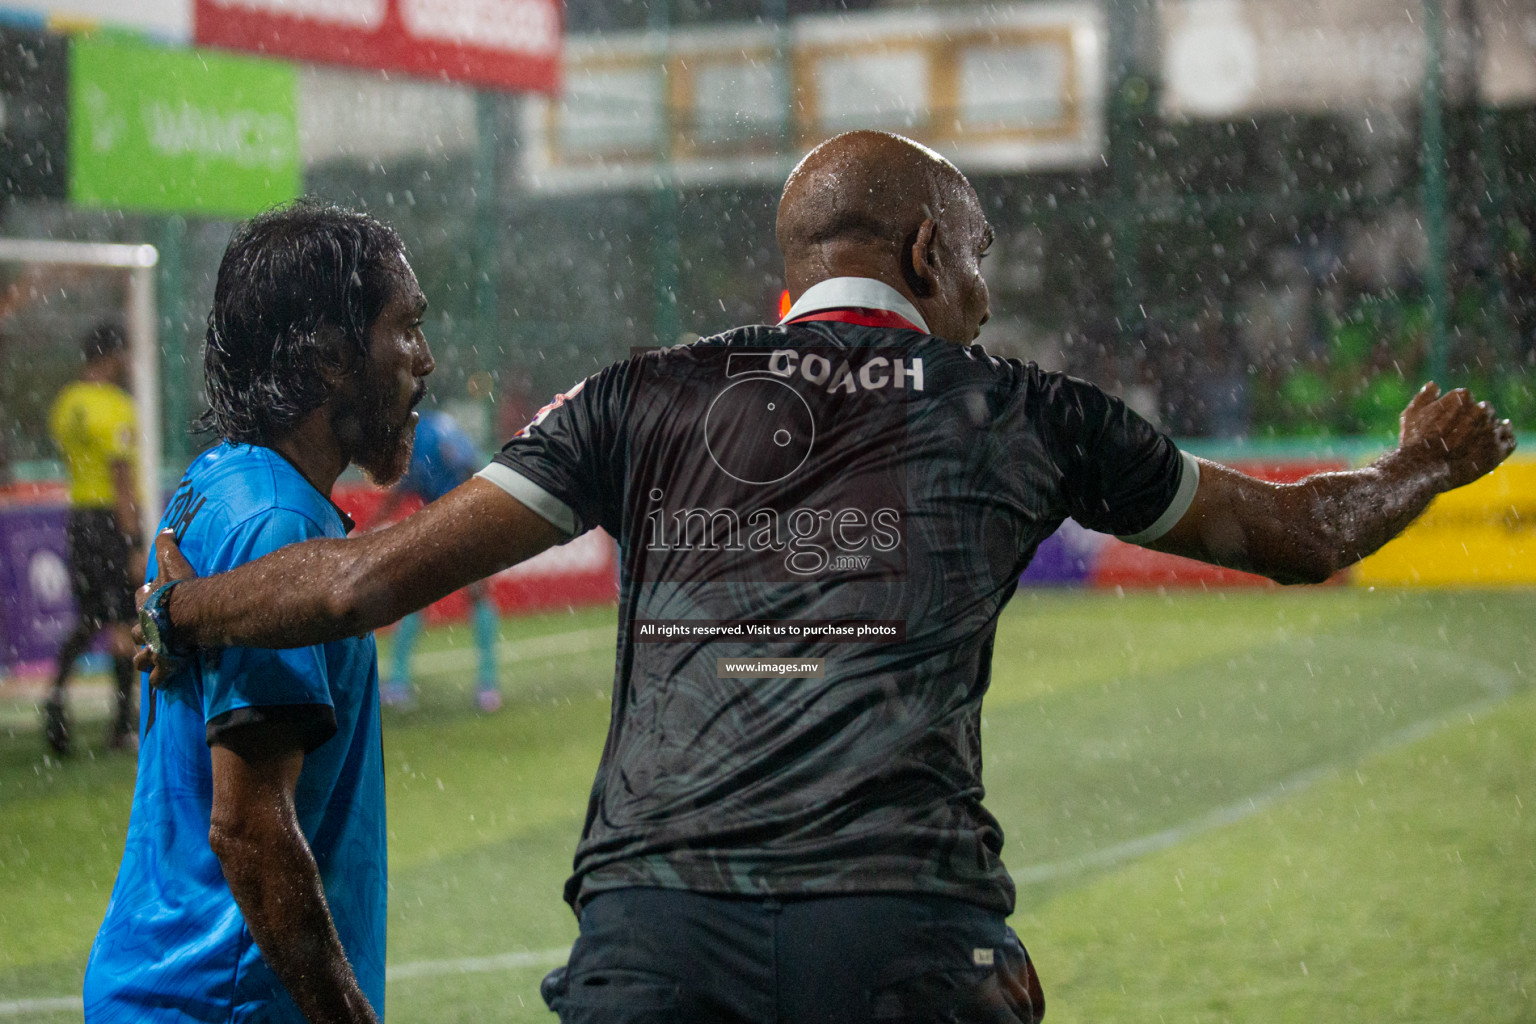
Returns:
<point x="36" y="605"/>
<point x="1065" y="558"/>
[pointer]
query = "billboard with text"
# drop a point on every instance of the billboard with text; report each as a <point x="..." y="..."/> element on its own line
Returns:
<point x="1006" y="88"/>
<point x="1223" y="58"/>
<point x="509" y="44"/>
<point x="179" y="130"/>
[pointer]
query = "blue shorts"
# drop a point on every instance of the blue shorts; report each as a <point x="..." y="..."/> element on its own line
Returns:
<point x="662" y="956"/>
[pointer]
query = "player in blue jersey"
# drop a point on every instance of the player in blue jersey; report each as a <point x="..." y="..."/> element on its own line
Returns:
<point x="252" y="886"/>
<point x="443" y="458"/>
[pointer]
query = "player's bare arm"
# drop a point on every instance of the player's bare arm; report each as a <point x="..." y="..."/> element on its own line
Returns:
<point x="1306" y="531"/>
<point x="271" y="872"/>
<point x="323" y="590"/>
<point x="125" y="500"/>
<point x="126" y="506"/>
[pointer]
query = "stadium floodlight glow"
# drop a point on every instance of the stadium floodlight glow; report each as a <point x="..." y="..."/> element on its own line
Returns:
<point x="143" y="342"/>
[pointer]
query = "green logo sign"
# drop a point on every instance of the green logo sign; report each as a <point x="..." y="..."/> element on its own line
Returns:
<point x="180" y="130"/>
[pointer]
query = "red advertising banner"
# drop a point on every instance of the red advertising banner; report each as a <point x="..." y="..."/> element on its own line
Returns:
<point x="508" y="44"/>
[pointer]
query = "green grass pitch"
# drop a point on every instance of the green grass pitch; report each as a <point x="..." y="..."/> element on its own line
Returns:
<point x="1272" y="806"/>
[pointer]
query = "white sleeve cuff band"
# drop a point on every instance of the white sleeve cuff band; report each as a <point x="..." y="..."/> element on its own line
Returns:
<point x="545" y="505"/>
<point x="1189" y="482"/>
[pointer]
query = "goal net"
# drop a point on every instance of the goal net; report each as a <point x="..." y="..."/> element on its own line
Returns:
<point x="52" y="294"/>
<point x="55" y="292"/>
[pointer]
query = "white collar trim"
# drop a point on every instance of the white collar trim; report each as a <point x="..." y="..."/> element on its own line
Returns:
<point x="854" y="293"/>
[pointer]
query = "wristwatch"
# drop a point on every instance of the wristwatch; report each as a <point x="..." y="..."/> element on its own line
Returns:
<point x="155" y="621"/>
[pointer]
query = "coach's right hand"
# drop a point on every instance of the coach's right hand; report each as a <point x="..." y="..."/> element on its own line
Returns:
<point x="169" y="566"/>
<point x="1452" y="431"/>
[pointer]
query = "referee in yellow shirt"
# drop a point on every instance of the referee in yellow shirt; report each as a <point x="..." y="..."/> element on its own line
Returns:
<point x="92" y="422"/>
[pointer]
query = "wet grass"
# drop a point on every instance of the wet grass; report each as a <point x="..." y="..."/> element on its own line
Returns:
<point x="1276" y="806"/>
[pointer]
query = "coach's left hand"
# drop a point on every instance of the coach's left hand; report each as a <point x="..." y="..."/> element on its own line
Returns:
<point x="169" y="566"/>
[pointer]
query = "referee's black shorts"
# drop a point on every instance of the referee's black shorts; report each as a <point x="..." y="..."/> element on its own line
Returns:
<point x="662" y="956"/>
<point x="99" y="557"/>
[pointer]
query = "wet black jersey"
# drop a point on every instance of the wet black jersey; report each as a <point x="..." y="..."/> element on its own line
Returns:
<point x="819" y="525"/>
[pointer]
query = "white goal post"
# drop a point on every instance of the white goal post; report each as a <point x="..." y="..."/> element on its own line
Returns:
<point x="143" y="343"/>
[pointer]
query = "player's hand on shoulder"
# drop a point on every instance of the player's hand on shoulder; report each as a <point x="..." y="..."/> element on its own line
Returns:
<point x="1466" y="436"/>
<point x="170" y="567"/>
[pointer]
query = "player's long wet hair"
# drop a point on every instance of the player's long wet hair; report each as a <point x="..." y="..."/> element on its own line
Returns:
<point x="297" y="290"/>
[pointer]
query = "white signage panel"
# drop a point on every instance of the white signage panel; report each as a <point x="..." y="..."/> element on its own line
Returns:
<point x="1224" y="58"/>
<point x="996" y="89"/>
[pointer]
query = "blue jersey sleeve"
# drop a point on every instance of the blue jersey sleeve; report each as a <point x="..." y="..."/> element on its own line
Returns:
<point x="247" y="688"/>
<point x="460" y="453"/>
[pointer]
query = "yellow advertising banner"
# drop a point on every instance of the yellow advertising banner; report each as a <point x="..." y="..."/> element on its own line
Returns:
<point x="1481" y="535"/>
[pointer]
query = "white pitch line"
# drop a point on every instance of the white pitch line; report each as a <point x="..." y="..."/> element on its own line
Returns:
<point x="478" y="964"/>
<point x="1496" y="682"/>
<point x="95" y="698"/>
<point x="1109" y="856"/>
<point x="16" y="1007"/>
<point x="554" y="645"/>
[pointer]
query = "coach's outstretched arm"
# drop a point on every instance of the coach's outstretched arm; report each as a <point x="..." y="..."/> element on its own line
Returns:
<point x="1306" y="531"/>
<point x="323" y="590"/>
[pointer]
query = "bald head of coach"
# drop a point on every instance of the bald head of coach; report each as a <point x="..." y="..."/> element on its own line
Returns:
<point x="828" y="830"/>
<point x="874" y="205"/>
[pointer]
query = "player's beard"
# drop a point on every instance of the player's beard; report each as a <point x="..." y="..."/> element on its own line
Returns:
<point x="380" y="441"/>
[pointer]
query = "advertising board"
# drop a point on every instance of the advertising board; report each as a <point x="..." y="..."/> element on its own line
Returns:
<point x="176" y="130"/>
<point x="1228" y="57"/>
<point x="508" y="44"/>
<point x="1483" y="534"/>
<point x="1008" y="88"/>
<point x="37" y="606"/>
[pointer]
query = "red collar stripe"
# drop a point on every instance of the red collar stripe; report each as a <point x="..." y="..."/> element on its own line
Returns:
<point x="864" y="317"/>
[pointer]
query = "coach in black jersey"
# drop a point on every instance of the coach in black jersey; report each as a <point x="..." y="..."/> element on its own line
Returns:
<point x="821" y="522"/>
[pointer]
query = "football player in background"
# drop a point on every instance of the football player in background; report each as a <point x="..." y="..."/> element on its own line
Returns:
<point x="93" y="425"/>
<point x="443" y="458"/>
